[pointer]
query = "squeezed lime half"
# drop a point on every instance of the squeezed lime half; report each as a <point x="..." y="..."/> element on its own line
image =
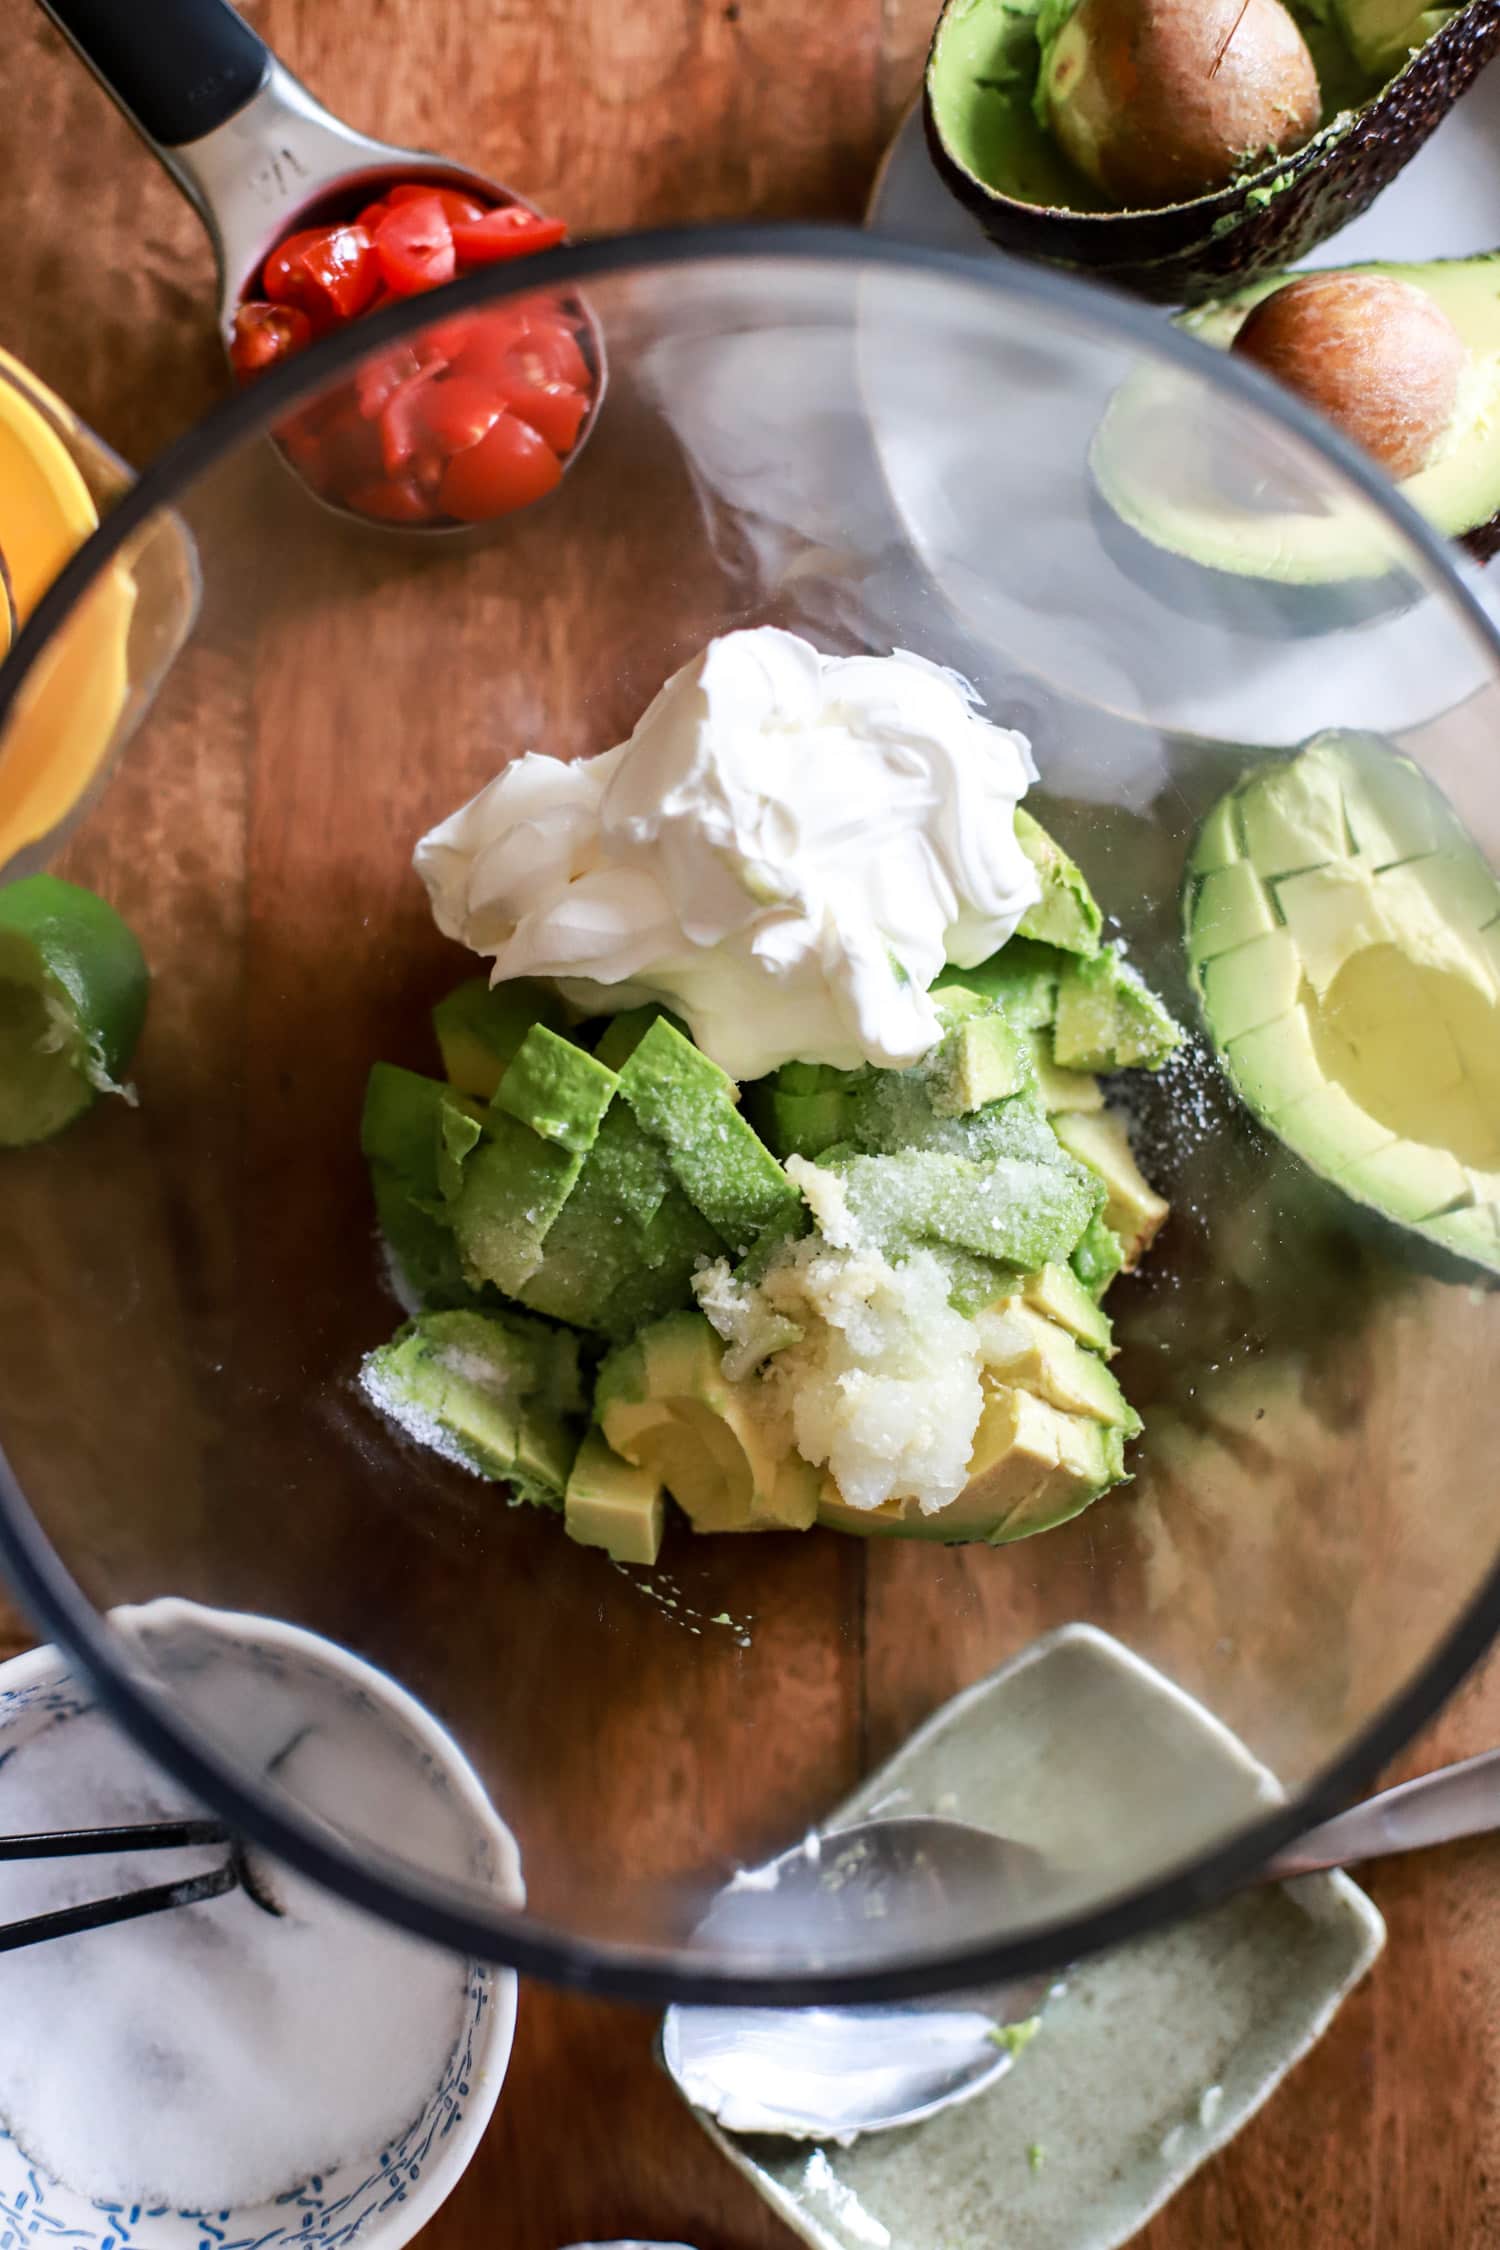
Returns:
<point x="73" y="985"/>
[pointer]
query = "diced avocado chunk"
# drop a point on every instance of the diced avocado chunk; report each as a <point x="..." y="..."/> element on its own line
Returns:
<point x="1061" y="1089"/>
<point x="1032" y="1353"/>
<point x="513" y="1187"/>
<point x="622" y="1222"/>
<point x="1098" y="1256"/>
<point x="1107" y="1019"/>
<point x="398" y="1125"/>
<point x="1090" y="1460"/>
<point x="610" y="1503"/>
<point x="674" y="1245"/>
<point x="1067" y="913"/>
<point x="1132" y="1211"/>
<point x="664" y="1403"/>
<point x="1057" y="1293"/>
<point x="803" y="1124"/>
<point x="1020" y="1213"/>
<point x="1365" y="1029"/>
<point x="1032" y="1466"/>
<point x="460" y="1130"/>
<point x="1021" y="978"/>
<point x="479" y="1026"/>
<point x="982" y="1059"/>
<point x="400" y="1135"/>
<point x="557" y="1089"/>
<point x="493" y="1391"/>
<point x="623" y="1033"/>
<point x="687" y="1106"/>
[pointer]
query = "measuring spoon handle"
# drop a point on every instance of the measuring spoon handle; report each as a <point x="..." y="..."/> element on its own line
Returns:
<point x="1437" y="1808"/>
<point x="178" y="68"/>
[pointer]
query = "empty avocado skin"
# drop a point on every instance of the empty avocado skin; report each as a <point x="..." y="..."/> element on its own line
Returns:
<point x="1269" y="219"/>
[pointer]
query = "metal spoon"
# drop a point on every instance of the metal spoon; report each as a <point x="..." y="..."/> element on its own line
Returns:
<point x="833" y="2073"/>
<point x="253" y="151"/>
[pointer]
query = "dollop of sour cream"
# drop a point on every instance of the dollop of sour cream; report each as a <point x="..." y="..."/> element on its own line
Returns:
<point x="785" y="852"/>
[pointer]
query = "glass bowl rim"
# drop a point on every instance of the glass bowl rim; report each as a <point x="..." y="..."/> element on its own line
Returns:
<point x="659" y="1975"/>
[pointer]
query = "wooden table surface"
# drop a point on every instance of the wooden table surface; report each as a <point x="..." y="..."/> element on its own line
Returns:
<point x="621" y="113"/>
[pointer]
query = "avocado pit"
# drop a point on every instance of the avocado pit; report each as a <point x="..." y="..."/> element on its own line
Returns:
<point x="1376" y="355"/>
<point x="1158" y="101"/>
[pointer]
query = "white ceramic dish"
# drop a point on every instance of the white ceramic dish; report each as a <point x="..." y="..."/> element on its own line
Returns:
<point x="379" y="2201"/>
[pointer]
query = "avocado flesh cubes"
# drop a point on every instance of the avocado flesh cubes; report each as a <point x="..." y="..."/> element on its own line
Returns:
<point x="546" y="1115"/>
<point x="1458" y="491"/>
<point x="566" y="1205"/>
<point x="1133" y="1212"/>
<point x="1032" y="1466"/>
<point x="1364" y="1027"/>
<point x="1107" y="1019"/>
<point x="612" y="1504"/>
<point x="1067" y="913"/>
<point x="401" y="1137"/>
<point x="1021" y="979"/>
<point x="624" y="1226"/>
<point x="664" y="1404"/>
<point x="495" y="1392"/>
<point x="981" y="1060"/>
<point x="686" y="1104"/>
<point x="479" y="1027"/>
<point x="1018" y="1213"/>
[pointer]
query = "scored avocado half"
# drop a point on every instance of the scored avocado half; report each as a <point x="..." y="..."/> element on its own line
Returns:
<point x="1343" y="937"/>
<point x="1387" y="75"/>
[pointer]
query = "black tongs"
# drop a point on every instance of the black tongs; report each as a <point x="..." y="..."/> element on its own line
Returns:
<point x="129" y="1906"/>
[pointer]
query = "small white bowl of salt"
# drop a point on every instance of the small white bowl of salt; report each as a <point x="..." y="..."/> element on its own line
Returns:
<point x="220" y="2074"/>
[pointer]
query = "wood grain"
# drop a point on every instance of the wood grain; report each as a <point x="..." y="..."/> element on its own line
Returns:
<point x="624" y="113"/>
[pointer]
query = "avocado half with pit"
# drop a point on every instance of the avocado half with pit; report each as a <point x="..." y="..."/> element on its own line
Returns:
<point x="1209" y="529"/>
<point x="1387" y="75"/>
<point x="1458" y="491"/>
<point x="1343" y="937"/>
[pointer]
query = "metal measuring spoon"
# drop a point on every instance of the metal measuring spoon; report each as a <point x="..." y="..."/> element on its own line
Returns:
<point x="254" y="152"/>
<point x="834" y="2073"/>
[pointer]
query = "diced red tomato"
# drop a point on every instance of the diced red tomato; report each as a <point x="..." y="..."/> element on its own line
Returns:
<point x="329" y="272"/>
<point x="531" y="345"/>
<point x="386" y="373"/>
<point x="470" y="418"/>
<point x="414" y="246"/>
<point x="351" y="450"/>
<point x="554" y="410"/>
<point x="456" y="411"/>
<point x="300" y="439"/>
<point x="391" y="500"/>
<point x="459" y="207"/>
<point x="445" y="339"/>
<point x="403" y="427"/>
<point x="510" y="232"/>
<point x="265" y="333"/>
<point x="509" y="468"/>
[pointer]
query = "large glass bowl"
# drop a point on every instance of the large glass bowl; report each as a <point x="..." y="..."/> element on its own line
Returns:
<point x="880" y="447"/>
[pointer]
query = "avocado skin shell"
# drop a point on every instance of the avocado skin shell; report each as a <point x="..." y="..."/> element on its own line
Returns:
<point x="1483" y="543"/>
<point x="1173" y="256"/>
